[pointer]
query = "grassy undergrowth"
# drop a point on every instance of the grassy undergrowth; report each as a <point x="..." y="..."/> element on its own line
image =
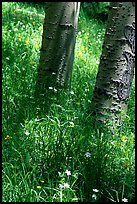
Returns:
<point x="51" y="152"/>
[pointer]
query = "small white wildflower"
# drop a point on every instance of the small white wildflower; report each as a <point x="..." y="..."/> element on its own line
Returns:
<point x="94" y="196"/>
<point x="53" y="73"/>
<point x="55" y="90"/>
<point x="61" y="186"/>
<point x="26" y="132"/>
<point x="79" y="33"/>
<point x="87" y="154"/>
<point x="72" y="92"/>
<point x="96" y="190"/>
<point x="59" y="173"/>
<point x="66" y="185"/>
<point x="71" y="124"/>
<point x="51" y="88"/>
<point x="125" y="200"/>
<point x="68" y="172"/>
<point x="68" y="158"/>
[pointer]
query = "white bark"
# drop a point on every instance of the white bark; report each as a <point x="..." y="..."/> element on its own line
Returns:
<point x="116" y="69"/>
<point x="58" y="43"/>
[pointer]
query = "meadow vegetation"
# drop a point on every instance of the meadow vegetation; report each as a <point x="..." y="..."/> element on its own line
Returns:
<point x="51" y="150"/>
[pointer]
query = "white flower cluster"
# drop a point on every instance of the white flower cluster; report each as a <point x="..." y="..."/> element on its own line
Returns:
<point x="64" y="185"/>
<point x="87" y="154"/>
<point x="52" y="88"/>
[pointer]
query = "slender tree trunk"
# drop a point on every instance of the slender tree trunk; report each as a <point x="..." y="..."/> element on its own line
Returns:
<point x="58" y="43"/>
<point x="116" y="69"/>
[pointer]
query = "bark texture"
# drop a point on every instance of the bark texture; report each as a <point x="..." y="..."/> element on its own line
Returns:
<point x="58" y="42"/>
<point x="116" y="69"/>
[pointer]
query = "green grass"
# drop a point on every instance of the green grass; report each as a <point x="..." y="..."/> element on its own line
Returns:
<point x="43" y="138"/>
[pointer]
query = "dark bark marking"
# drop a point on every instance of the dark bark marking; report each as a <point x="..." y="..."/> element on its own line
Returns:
<point x="124" y="85"/>
<point x="130" y="36"/>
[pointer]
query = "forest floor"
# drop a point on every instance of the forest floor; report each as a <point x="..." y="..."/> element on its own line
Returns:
<point x="51" y="152"/>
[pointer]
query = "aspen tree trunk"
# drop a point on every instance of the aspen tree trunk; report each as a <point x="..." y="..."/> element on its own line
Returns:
<point x="116" y="69"/>
<point x="58" y="43"/>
